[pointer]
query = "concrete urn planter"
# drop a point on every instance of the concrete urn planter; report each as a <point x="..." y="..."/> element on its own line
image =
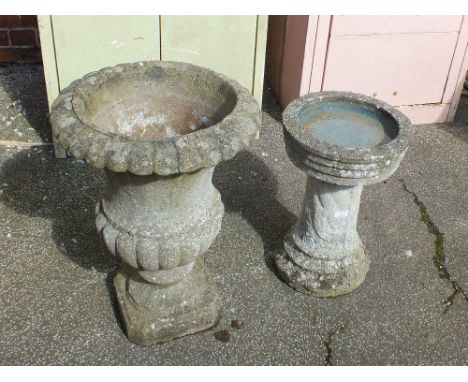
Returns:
<point x="342" y="141"/>
<point x="158" y="129"/>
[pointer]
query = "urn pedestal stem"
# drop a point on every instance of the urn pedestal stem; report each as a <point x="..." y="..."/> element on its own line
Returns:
<point x="160" y="226"/>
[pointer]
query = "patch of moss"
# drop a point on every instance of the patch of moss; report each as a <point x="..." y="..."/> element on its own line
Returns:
<point x="439" y="254"/>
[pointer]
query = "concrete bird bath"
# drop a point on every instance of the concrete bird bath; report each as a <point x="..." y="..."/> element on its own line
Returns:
<point x="158" y="129"/>
<point x="342" y="141"/>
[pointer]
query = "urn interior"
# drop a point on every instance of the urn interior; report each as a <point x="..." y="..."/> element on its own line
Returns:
<point x="152" y="104"/>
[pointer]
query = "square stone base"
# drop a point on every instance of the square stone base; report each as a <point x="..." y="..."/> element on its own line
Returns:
<point x="165" y="313"/>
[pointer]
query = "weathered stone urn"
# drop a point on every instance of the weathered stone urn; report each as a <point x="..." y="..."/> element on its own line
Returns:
<point x="342" y="141"/>
<point x="158" y="129"/>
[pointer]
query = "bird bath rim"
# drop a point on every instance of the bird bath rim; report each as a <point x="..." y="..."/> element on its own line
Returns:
<point x="296" y="130"/>
<point x="338" y="164"/>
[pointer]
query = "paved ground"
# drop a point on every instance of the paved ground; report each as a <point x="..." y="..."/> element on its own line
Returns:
<point x="57" y="305"/>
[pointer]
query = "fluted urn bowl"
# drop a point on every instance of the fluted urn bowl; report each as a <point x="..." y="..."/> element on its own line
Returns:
<point x="158" y="129"/>
<point x="342" y="141"/>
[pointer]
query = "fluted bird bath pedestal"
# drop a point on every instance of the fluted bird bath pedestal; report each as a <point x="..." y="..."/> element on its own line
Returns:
<point x="342" y="141"/>
<point x="158" y="129"/>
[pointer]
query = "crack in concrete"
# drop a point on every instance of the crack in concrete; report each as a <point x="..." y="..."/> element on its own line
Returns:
<point x="327" y="343"/>
<point x="439" y="255"/>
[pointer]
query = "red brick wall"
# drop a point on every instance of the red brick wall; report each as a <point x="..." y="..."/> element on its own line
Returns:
<point x="19" y="39"/>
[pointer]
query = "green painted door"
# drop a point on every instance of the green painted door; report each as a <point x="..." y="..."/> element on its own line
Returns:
<point x="223" y="43"/>
<point x="87" y="43"/>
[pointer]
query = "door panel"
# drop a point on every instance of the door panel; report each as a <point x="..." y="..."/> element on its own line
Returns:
<point x="365" y="25"/>
<point x="87" y="43"/>
<point x="402" y="69"/>
<point x="223" y="43"/>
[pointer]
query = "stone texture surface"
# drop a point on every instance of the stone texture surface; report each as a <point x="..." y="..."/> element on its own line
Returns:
<point x="155" y="315"/>
<point x="322" y="255"/>
<point x="135" y="117"/>
<point x="343" y="165"/>
<point x="158" y="128"/>
<point x="23" y="104"/>
<point x="56" y="284"/>
<point x="158" y="226"/>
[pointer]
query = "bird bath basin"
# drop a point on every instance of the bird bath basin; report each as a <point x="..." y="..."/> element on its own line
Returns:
<point x="342" y="141"/>
<point x="158" y="129"/>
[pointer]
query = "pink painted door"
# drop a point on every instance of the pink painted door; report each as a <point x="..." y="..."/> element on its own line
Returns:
<point x="416" y="63"/>
<point x="404" y="60"/>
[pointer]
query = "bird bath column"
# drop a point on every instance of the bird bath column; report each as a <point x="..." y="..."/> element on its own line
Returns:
<point x="342" y="141"/>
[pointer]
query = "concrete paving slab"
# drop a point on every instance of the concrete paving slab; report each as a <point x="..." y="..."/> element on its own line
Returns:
<point x="23" y="104"/>
<point x="57" y="303"/>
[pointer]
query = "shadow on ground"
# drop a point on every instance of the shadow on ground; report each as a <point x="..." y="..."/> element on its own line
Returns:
<point x="65" y="192"/>
<point x="271" y="105"/>
<point x="54" y="315"/>
<point x="460" y="123"/>
<point x="248" y="187"/>
<point x="26" y="84"/>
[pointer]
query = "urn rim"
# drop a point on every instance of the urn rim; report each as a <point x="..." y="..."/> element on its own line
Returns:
<point x="171" y="155"/>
